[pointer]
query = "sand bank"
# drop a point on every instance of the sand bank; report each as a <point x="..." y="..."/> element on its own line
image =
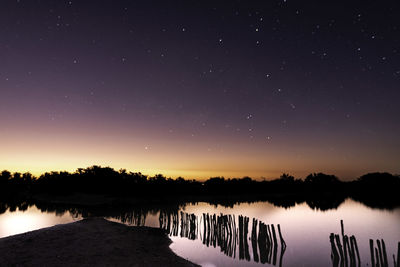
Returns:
<point x="90" y="242"/>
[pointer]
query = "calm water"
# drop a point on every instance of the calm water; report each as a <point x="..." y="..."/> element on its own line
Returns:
<point x="220" y="236"/>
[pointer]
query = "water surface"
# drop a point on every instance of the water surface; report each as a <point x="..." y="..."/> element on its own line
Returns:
<point x="214" y="235"/>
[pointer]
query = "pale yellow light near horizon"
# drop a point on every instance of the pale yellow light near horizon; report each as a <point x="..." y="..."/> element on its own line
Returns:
<point x="39" y="157"/>
<point x="38" y="151"/>
<point x="171" y="167"/>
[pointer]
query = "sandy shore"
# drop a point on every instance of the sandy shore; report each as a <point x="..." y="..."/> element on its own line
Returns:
<point x="90" y="242"/>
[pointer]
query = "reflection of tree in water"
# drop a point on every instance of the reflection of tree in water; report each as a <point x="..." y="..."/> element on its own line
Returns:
<point x="229" y="234"/>
<point x="325" y="202"/>
<point x="131" y="215"/>
<point x="344" y="251"/>
<point x="13" y="204"/>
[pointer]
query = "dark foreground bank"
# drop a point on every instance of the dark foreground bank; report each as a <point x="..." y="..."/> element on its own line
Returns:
<point x="90" y="242"/>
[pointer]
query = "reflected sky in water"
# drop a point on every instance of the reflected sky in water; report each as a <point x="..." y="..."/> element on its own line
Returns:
<point x="12" y="223"/>
<point x="305" y="231"/>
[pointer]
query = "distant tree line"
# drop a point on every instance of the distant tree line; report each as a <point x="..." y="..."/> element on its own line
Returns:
<point x="377" y="189"/>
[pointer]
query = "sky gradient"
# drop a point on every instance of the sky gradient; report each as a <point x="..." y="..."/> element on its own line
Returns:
<point x="201" y="88"/>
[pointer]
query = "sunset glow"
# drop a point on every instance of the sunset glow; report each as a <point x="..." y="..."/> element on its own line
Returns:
<point x="241" y="93"/>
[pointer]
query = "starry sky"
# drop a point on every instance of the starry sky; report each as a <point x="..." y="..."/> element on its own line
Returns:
<point x="201" y="88"/>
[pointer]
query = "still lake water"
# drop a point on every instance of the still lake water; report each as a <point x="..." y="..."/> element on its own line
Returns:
<point x="214" y="235"/>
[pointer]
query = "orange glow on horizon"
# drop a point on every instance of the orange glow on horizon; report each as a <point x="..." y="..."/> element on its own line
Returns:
<point x="39" y="150"/>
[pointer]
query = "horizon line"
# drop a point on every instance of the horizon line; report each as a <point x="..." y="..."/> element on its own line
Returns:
<point x="261" y="178"/>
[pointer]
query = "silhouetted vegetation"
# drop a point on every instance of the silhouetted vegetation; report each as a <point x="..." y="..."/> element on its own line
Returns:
<point x="318" y="190"/>
<point x="376" y="189"/>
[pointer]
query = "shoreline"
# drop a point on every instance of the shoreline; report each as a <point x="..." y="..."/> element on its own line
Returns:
<point x="90" y="242"/>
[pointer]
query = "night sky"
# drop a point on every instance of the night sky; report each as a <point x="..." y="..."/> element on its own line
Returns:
<point x="201" y="88"/>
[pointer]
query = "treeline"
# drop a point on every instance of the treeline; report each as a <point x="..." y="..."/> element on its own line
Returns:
<point x="375" y="189"/>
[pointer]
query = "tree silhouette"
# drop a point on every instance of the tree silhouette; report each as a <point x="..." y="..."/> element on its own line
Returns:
<point x="319" y="190"/>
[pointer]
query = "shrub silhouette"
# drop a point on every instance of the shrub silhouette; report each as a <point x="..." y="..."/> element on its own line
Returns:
<point x="321" y="179"/>
<point x="319" y="190"/>
<point x="376" y="189"/>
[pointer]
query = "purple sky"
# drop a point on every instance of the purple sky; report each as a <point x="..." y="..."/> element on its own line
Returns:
<point x="201" y="88"/>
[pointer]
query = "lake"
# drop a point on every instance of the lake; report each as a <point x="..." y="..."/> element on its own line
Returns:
<point x="249" y="234"/>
